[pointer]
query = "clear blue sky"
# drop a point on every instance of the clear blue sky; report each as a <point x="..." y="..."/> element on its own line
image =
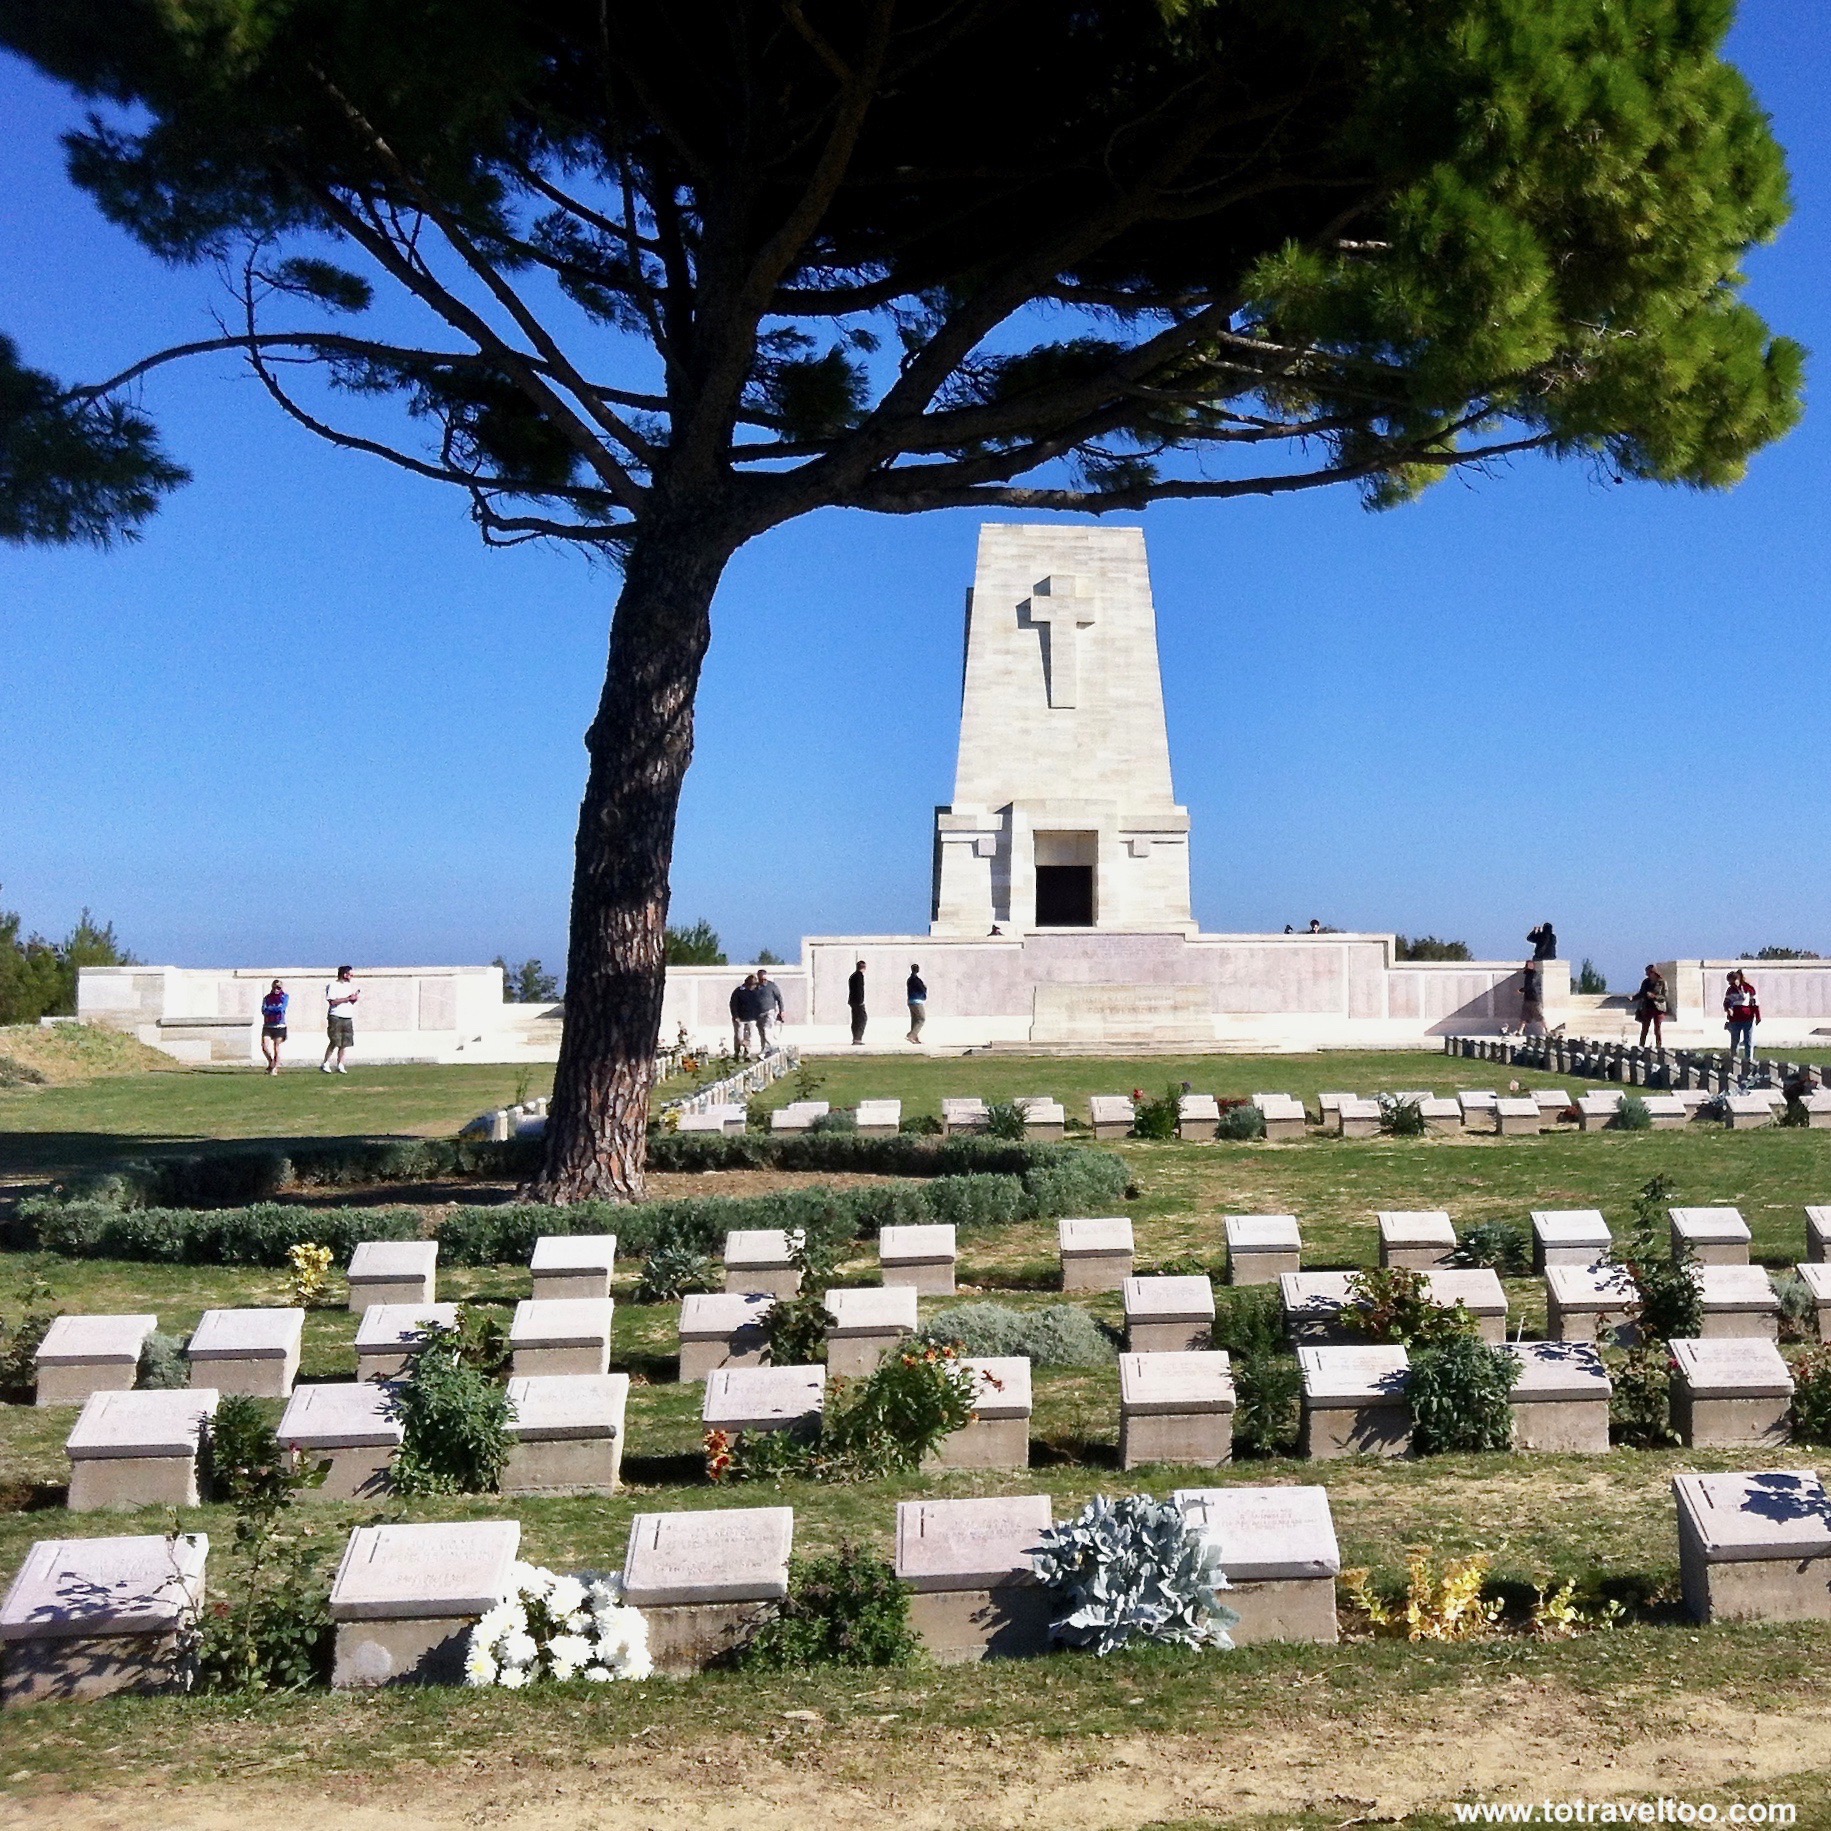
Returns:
<point x="310" y="718"/>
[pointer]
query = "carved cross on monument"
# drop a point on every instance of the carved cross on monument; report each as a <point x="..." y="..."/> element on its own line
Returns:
<point x="1063" y="605"/>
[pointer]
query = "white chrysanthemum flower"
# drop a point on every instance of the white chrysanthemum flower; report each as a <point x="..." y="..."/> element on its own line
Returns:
<point x="512" y="1678"/>
<point x="479" y="1668"/>
<point x="518" y="1650"/>
<point x="565" y="1596"/>
<point x="604" y="1587"/>
<point x="579" y="1623"/>
<point x="637" y="1664"/>
<point x="568" y="1653"/>
<point x="532" y="1580"/>
<point x="504" y="1618"/>
<point x="599" y="1675"/>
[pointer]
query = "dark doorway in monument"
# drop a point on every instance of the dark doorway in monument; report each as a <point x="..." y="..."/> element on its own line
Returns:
<point x="1064" y="896"/>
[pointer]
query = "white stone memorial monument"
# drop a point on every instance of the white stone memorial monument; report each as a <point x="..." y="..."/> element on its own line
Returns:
<point x="968" y="1562"/>
<point x="1279" y="1555"/>
<point x="706" y="1580"/>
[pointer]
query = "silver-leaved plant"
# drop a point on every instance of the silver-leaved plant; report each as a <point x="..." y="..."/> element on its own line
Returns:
<point x="1132" y="1569"/>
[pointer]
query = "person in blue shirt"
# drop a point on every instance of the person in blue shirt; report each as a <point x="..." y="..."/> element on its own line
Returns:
<point x="273" y="1024"/>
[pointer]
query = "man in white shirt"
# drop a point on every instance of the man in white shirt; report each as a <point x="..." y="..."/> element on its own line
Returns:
<point x="340" y="997"/>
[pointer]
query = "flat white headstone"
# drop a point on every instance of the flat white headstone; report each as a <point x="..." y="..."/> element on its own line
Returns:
<point x="1434" y="1106"/>
<point x="1111" y="1109"/>
<point x="1191" y="1108"/>
<point x="574" y="1252"/>
<point x="1330" y="1102"/>
<point x="1549" y="1099"/>
<point x="1105" y="1235"/>
<point x="718" y="1315"/>
<point x="247" y="1335"/>
<point x="762" y="1398"/>
<point x="1737" y="1287"/>
<point x="89" y="1339"/>
<point x="1572" y="1227"/>
<point x="925" y="1245"/>
<point x="963" y="1110"/>
<point x="1279" y="1106"/>
<point x="1817" y="1276"/>
<point x="1818" y="1224"/>
<point x="1040" y="1109"/>
<point x="731" y="1554"/>
<point x="1313" y="1296"/>
<point x="379" y="1260"/>
<point x="1559" y="1370"/>
<point x="1266" y="1535"/>
<point x="1002" y="1383"/>
<point x="968" y="1544"/>
<point x="1664" y="1106"/>
<point x="1358" y="1106"/>
<point x="1166" y="1384"/>
<point x="336" y="1417"/>
<point x="562" y="1322"/>
<point x="153" y="1423"/>
<point x="1598" y="1106"/>
<point x="1779" y="1514"/>
<point x="417" y="1573"/>
<point x="1520" y="1107"/>
<point x="871" y="1309"/>
<point x="1338" y="1377"/>
<point x="1750" y="1105"/>
<point x="1738" y="1367"/>
<point x="70" y="1588"/>
<point x="1590" y="1287"/>
<point x="1169" y="1300"/>
<point x="1710" y="1226"/>
<point x="760" y="1248"/>
<point x="545" y="1406"/>
<point x="1250" y="1233"/>
<point x="1477" y="1100"/>
<point x="399" y="1325"/>
<point x="879" y="1113"/>
<point x="1410" y="1228"/>
<point x="1477" y="1288"/>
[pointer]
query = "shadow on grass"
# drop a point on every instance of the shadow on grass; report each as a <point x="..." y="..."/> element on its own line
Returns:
<point x="687" y="1470"/>
<point x="33" y="1496"/>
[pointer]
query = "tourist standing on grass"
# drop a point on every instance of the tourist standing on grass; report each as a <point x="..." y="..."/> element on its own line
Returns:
<point x="273" y="1024"/>
<point x="340" y="998"/>
<point x="1651" y="1003"/>
<point x="1544" y="941"/>
<point x="768" y="997"/>
<point x="917" y="994"/>
<point x="1532" y="999"/>
<point x="1743" y="1010"/>
<point x="743" y="1015"/>
<point x="855" y="1002"/>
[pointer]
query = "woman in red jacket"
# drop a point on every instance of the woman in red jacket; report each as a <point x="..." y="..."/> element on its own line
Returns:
<point x="1743" y="1010"/>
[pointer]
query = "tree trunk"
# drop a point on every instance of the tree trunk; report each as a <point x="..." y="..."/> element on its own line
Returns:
<point x="640" y="744"/>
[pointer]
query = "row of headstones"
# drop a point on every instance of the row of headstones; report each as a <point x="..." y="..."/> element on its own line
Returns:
<point x="1674" y="1069"/>
<point x="87" y="1618"/>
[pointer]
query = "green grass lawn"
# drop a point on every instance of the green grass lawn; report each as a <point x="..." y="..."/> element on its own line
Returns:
<point x="1608" y="1521"/>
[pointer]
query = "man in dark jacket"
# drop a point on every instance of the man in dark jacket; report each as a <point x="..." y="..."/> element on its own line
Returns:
<point x="743" y="1015"/>
<point x="855" y="997"/>
<point x="1544" y="941"/>
<point x="917" y="994"/>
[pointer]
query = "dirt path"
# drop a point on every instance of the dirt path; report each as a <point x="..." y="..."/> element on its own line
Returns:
<point x="1516" y="1741"/>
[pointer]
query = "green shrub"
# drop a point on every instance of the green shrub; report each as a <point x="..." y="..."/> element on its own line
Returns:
<point x="1640" y="1407"/>
<point x="844" y="1609"/>
<point x="1391" y="1304"/>
<point x="1157" y="1118"/>
<point x="1005" y="1119"/>
<point x="164" y="1365"/>
<point x="1057" y="1335"/>
<point x="837" y="1121"/>
<point x="1499" y="1245"/>
<point x="978" y="1201"/>
<point x="1632" y="1115"/>
<point x="670" y="1273"/>
<point x="1268" y="1404"/>
<point x="886" y="1423"/>
<point x="1459" y="1397"/>
<point x="1798" y="1307"/>
<point x="1085" y="1182"/>
<point x="454" y="1418"/>
<point x="1401" y="1118"/>
<point x="20" y="1337"/>
<point x="921" y="1125"/>
<point x="1812" y="1397"/>
<point x="1240" y="1123"/>
<point x="1671" y="1295"/>
<point x="247" y="1465"/>
<point x="1132" y="1570"/>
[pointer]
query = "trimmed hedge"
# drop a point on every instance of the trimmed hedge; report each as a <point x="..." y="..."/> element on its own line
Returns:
<point x="1080" y="1182"/>
<point x="231" y="1175"/>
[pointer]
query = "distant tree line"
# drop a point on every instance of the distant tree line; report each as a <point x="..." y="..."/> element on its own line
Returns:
<point x="1428" y="947"/>
<point x="38" y="977"/>
<point x="527" y="982"/>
